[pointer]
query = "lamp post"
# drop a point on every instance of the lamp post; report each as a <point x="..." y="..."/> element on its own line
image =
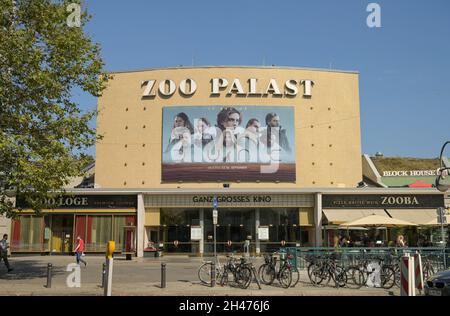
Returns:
<point x="215" y="216"/>
<point x="443" y="171"/>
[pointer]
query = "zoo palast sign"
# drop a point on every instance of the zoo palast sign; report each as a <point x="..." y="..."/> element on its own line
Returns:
<point x="251" y="87"/>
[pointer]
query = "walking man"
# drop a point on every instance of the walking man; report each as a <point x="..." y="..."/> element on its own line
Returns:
<point x="79" y="249"/>
<point x="4" y="251"/>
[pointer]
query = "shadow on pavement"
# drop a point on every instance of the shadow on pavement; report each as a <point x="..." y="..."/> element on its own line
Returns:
<point x="29" y="269"/>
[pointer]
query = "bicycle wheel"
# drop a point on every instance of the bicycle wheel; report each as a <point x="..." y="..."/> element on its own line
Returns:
<point x="295" y="277"/>
<point x="397" y="276"/>
<point x="204" y="273"/>
<point x="310" y="268"/>
<point x="428" y="271"/>
<point x="285" y="277"/>
<point x="224" y="278"/>
<point x="266" y="274"/>
<point x="356" y="277"/>
<point x="387" y="277"/>
<point x="317" y="275"/>
<point x="245" y="277"/>
<point x="339" y="276"/>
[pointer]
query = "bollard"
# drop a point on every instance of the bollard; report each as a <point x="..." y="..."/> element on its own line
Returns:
<point x="407" y="286"/>
<point x="418" y="272"/>
<point x="49" y="275"/>
<point x="163" y="275"/>
<point x="110" y="247"/>
<point x="103" y="274"/>
<point x="213" y="274"/>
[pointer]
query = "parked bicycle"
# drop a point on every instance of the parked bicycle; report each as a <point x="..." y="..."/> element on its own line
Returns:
<point x="268" y="271"/>
<point x="204" y="272"/>
<point x="242" y="271"/>
<point x="327" y="269"/>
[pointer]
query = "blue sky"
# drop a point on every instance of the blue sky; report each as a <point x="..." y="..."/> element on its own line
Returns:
<point x="404" y="65"/>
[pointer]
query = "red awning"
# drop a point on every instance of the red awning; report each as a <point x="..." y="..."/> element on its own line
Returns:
<point x="420" y="184"/>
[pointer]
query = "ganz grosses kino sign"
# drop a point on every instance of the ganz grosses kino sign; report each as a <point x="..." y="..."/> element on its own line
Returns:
<point x="383" y="201"/>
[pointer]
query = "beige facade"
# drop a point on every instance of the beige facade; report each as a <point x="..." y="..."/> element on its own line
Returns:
<point x="5" y="225"/>
<point x="327" y="124"/>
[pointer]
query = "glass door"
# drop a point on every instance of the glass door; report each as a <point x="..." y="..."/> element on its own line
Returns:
<point x="62" y="234"/>
<point x="234" y="227"/>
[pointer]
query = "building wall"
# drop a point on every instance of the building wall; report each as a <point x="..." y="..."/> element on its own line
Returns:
<point x="327" y="125"/>
<point x="5" y="226"/>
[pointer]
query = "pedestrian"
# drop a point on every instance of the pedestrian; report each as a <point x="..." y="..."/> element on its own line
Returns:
<point x="336" y="240"/>
<point x="4" y="252"/>
<point x="79" y="250"/>
<point x="366" y="240"/>
<point x="400" y="242"/>
<point x="343" y="242"/>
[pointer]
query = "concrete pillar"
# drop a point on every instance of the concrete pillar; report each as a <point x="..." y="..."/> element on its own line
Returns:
<point x="202" y="224"/>
<point x="258" y="245"/>
<point x="318" y="220"/>
<point x="140" y="225"/>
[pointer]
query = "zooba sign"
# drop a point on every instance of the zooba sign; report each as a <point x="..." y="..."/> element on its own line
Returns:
<point x="383" y="201"/>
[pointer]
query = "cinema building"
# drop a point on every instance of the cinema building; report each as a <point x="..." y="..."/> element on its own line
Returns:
<point x="277" y="149"/>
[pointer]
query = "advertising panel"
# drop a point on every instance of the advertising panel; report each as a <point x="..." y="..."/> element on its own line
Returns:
<point x="228" y="143"/>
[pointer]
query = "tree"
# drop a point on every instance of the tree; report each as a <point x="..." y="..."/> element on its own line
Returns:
<point x="42" y="131"/>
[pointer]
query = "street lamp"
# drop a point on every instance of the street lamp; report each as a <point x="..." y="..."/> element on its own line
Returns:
<point x="443" y="171"/>
<point x="215" y="216"/>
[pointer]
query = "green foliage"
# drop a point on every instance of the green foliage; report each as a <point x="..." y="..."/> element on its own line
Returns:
<point x="400" y="163"/>
<point x="42" y="60"/>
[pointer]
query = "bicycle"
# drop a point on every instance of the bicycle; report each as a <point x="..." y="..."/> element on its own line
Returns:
<point x="427" y="268"/>
<point x="242" y="272"/>
<point x="387" y="273"/>
<point x="267" y="272"/>
<point x="231" y="267"/>
<point x="204" y="271"/>
<point x="328" y="269"/>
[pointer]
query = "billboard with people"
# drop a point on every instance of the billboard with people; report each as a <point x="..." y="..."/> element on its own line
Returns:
<point x="228" y="143"/>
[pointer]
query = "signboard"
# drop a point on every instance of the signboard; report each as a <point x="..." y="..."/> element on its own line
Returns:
<point x="263" y="233"/>
<point x="440" y="211"/>
<point x="196" y="233"/>
<point x="47" y="233"/>
<point x="215" y="216"/>
<point x="85" y="201"/>
<point x="241" y="143"/>
<point x="229" y="200"/>
<point x="383" y="201"/>
<point x="410" y="173"/>
<point x="229" y="86"/>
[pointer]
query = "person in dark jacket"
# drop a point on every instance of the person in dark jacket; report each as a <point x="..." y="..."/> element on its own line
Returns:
<point x="4" y="252"/>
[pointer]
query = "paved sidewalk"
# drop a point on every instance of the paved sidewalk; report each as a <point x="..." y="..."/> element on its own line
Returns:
<point x="141" y="276"/>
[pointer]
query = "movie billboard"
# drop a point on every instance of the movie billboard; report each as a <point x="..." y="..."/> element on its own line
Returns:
<point x="228" y="143"/>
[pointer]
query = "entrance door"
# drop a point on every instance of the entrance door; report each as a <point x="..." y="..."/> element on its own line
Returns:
<point x="62" y="234"/>
<point x="235" y="227"/>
